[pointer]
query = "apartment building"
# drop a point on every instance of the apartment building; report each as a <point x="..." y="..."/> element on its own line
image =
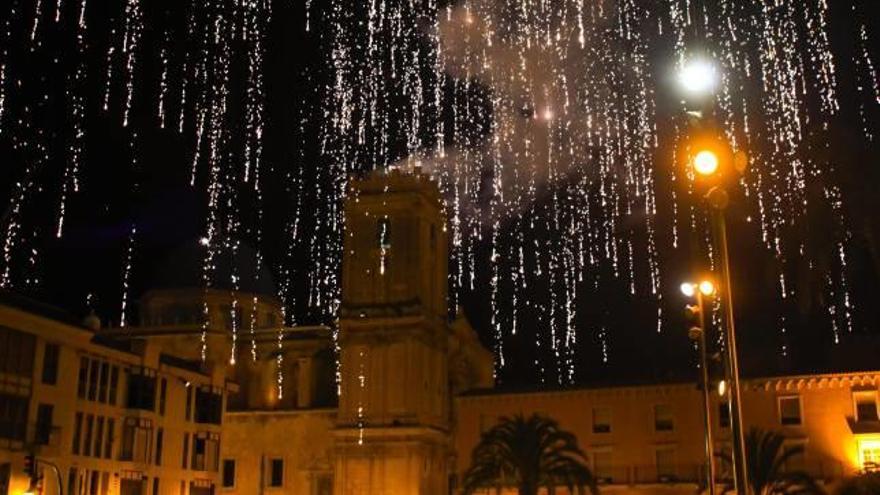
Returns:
<point x="103" y="415"/>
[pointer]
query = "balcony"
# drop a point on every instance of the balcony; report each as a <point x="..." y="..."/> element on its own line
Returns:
<point x="41" y="438"/>
<point x="649" y="474"/>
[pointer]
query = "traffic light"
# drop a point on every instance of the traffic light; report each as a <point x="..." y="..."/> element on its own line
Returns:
<point x="30" y="465"/>
<point x="693" y="314"/>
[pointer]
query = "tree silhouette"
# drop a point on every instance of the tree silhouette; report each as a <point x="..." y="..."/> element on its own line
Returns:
<point x="528" y="453"/>
<point x="766" y="460"/>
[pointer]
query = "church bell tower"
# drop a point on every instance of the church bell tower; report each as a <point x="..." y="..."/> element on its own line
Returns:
<point x="393" y="423"/>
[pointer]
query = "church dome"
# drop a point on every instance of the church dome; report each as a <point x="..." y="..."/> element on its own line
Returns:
<point x="183" y="269"/>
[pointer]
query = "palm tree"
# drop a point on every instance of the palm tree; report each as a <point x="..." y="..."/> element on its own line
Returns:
<point x="530" y="453"/>
<point x="766" y="460"/>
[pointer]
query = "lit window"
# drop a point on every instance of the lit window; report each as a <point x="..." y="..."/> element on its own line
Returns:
<point x="663" y="420"/>
<point x="869" y="454"/>
<point x="865" y="405"/>
<point x="790" y="411"/>
<point x="601" y="420"/>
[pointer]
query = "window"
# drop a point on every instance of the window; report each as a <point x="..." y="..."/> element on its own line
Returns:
<point x="724" y="415"/>
<point x="44" y="424"/>
<point x="324" y="484"/>
<point x="142" y="389"/>
<point x="83" y="377"/>
<point x="99" y="437"/>
<point x="664" y="458"/>
<point x="484" y="423"/>
<point x="209" y="405"/>
<point x="17" y="353"/>
<point x="276" y="473"/>
<point x="94" y="371"/>
<point x="869" y="454"/>
<point x="189" y="402"/>
<point x="77" y="432"/>
<point x="601" y="420"/>
<point x="94" y="479"/>
<point x="163" y="391"/>
<point x="114" y="384"/>
<point x="50" y="364"/>
<point x="790" y="410"/>
<point x="794" y="450"/>
<point x="71" y="481"/>
<point x="602" y="466"/>
<point x="160" y="438"/>
<point x="13" y="417"/>
<point x="102" y="384"/>
<point x="136" y="436"/>
<point x="723" y="468"/>
<point x="155" y="486"/>
<point x="185" y="450"/>
<point x="865" y="405"/>
<point x="205" y="451"/>
<point x="663" y="420"/>
<point x="110" y="438"/>
<point x="90" y="426"/>
<point x="228" y="473"/>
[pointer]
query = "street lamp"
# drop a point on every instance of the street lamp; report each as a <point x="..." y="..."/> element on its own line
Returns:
<point x="698" y="76"/>
<point x="706" y="162"/>
<point x="697" y="333"/>
<point x="713" y="163"/>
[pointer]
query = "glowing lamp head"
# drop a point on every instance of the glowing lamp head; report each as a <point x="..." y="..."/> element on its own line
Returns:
<point x="706" y="162"/>
<point x="698" y="77"/>
<point x="688" y="289"/>
<point x="722" y="387"/>
<point x="707" y="288"/>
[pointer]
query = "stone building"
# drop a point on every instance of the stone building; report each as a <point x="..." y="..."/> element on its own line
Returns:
<point x="210" y="393"/>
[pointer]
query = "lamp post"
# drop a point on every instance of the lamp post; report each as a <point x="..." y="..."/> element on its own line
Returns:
<point x="713" y="163"/>
<point x="697" y="333"/>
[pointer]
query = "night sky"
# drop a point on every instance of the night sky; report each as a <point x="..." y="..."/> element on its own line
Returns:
<point x="140" y="175"/>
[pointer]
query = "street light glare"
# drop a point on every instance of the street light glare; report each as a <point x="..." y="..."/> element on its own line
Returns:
<point x="706" y="162"/>
<point x="707" y="288"/>
<point x="688" y="289"/>
<point x="697" y="76"/>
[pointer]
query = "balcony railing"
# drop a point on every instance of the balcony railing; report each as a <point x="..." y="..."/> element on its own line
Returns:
<point x="649" y="474"/>
<point x="819" y="469"/>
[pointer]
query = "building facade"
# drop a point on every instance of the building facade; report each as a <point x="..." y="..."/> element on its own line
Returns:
<point x="103" y="416"/>
<point x="650" y="438"/>
<point x="210" y="393"/>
